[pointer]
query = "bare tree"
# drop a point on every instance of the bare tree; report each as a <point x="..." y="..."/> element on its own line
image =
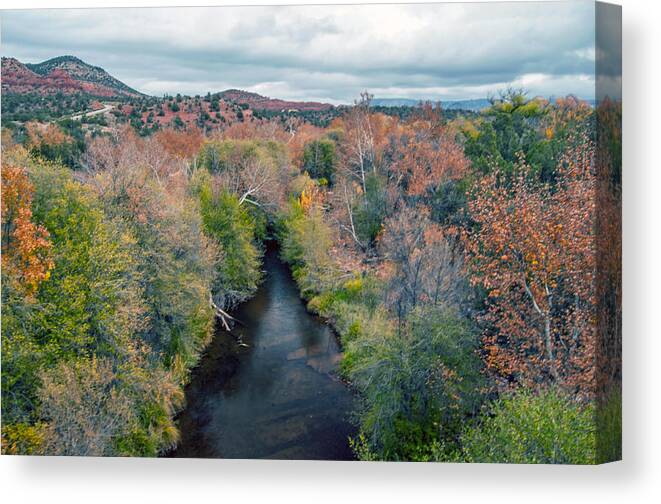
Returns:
<point x="360" y="148"/>
<point x="425" y="267"/>
<point x="84" y="407"/>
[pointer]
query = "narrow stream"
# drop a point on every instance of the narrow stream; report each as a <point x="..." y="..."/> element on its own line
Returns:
<point x="277" y="398"/>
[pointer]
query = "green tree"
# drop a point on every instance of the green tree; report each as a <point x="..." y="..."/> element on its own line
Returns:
<point x="227" y="222"/>
<point x="418" y="385"/>
<point x="320" y="159"/>
<point x="370" y="210"/>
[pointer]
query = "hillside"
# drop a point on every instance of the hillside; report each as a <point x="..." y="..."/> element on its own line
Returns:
<point x="67" y="85"/>
<point x="259" y="102"/>
<point x="64" y="75"/>
<point x="82" y="72"/>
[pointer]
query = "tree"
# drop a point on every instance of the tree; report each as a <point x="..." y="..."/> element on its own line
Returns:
<point x="26" y="248"/>
<point x="90" y="302"/>
<point x="145" y="186"/>
<point x="254" y="170"/>
<point x="306" y="241"/>
<point x="510" y="127"/>
<point x="320" y="159"/>
<point x="532" y="249"/>
<point x="62" y="142"/>
<point x="422" y="265"/>
<point x="178" y="123"/>
<point x="230" y="225"/>
<point x="427" y="155"/>
<point x="85" y="408"/>
<point x="369" y="210"/>
<point x="359" y="141"/>
<point x="418" y="386"/>
<point x="129" y="287"/>
<point x="182" y="144"/>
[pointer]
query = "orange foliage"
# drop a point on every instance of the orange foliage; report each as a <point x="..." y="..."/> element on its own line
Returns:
<point x="254" y="130"/>
<point x="533" y="249"/>
<point x="182" y="144"/>
<point x="432" y="155"/>
<point x="303" y="135"/>
<point x="44" y="134"/>
<point x="311" y="197"/>
<point x="26" y="248"/>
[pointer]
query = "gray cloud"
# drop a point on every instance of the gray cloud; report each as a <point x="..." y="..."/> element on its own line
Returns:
<point x="330" y="53"/>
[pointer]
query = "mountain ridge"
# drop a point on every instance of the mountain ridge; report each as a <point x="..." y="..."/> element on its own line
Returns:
<point x="259" y="102"/>
<point x="64" y="74"/>
<point x="69" y="75"/>
<point x="475" y="104"/>
<point x="81" y="71"/>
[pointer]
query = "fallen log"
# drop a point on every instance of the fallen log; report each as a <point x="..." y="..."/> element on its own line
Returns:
<point x="223" y="315"/>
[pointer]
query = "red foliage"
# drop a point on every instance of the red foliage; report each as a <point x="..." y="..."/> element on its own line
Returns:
<point x="17" y="78"/>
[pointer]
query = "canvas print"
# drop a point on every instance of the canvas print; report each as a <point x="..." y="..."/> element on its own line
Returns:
<point x="356" y="232"/>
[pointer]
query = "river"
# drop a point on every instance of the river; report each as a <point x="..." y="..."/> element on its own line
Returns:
<point x="279" y="397"/>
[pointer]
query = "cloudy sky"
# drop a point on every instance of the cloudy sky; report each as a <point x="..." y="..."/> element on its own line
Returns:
<point x="325" y="53"/>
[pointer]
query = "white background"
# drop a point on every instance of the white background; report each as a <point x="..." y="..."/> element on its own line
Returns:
<point x="636" y="479"/>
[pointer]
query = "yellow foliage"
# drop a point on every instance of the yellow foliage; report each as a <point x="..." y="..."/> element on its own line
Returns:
<point x="354" y="285"/>
<point x="22" y="439"/>
<point x="305" y="200"/>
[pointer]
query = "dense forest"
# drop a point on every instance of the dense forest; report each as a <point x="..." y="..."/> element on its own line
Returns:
<point x="469" y="263"/>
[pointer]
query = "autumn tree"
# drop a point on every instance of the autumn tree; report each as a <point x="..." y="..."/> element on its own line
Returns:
<point x="85" y="410"/>
<point x="413" y="161"/>
<point x="423" y="264"/>
<point x="26" y="248"/>
<point x="254" y="170"/>
<point x="62" y="141"/>
<point x="128" y="289"/>
<point x="426" y="155"/>
<point x="183" y="144"/>
<point x="307" y="239"/>
<point x="532" y="249"/>
<point x="147" y="188"/>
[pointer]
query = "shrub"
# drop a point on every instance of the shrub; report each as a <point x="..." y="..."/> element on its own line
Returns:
<point x="93" y="359"/>
<point x="609" y="426"/>
<point x="305" y="241"/>
<point x="85" y="407"/>
<point x="524" y="428"/>
<point x="370" y="210"/>
<point x="418" y="385"/>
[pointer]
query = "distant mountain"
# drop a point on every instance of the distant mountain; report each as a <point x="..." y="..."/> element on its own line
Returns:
<point x="474" y="105"/>
<point x="81" y="71"/>
<point x="65" y="74"/>
<point x="259" y="102"/>
<point x="395" y="102"/>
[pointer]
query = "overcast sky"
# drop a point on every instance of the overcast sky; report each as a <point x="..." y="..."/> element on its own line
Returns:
<point x="325" y="53"/>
